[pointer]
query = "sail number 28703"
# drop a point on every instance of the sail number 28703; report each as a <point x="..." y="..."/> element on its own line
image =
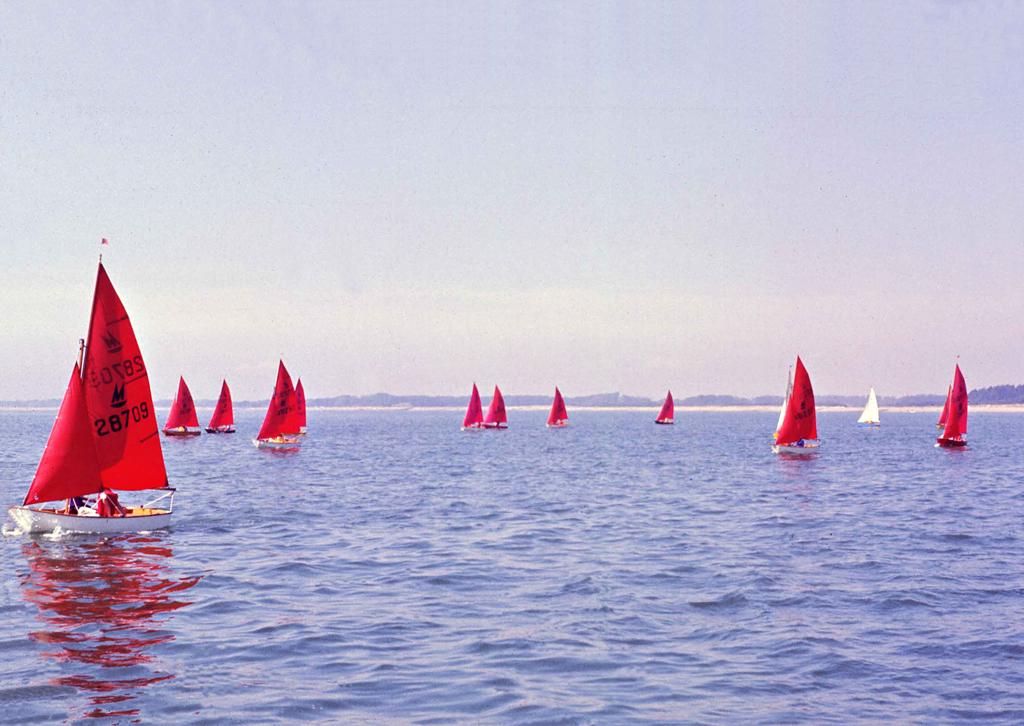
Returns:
<point x="119" y="421"/>
<point x="125" y="370"/>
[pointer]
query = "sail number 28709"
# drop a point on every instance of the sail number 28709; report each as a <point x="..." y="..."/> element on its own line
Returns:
<point x="114" y="422"/>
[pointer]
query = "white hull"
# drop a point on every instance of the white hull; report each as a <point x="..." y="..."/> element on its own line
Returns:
<point x="41" y="520"/>
<point x="271" y="444"/>
<point x="805" y="450"/>
<point x="561" y="425"/>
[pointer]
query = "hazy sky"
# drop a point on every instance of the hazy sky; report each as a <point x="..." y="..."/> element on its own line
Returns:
<point x="412" y="196"/>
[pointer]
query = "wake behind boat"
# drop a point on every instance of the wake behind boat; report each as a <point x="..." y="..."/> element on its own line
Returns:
<point x="870" y="415"/>
<point x="182" y="420"/>
<point x="281" y="422"/>
<point x="223" y="419"/>
<point x="105" y="436"/>
<point x="798" y="433"/>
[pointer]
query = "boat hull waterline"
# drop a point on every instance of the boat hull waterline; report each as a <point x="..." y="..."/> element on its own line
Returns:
<point x="794" y="450"/>
<point x="139" y="519"/>
<point x="279" y="445"/>
<point x="220" y="431"/>
<point x="951" y="443"/>
<point x="182" y="434"/>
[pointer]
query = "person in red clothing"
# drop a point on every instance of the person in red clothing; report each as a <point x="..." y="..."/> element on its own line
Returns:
<point x="108" y="506"/>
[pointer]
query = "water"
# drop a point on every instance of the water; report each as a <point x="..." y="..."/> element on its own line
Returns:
<point x="397" y="570"/>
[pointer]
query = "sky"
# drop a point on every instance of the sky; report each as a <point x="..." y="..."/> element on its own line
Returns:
<point x="412" y="196"/>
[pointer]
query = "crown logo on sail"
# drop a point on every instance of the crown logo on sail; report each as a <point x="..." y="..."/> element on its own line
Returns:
<point x="113" y="344"/>
<point x="118" y="399"/>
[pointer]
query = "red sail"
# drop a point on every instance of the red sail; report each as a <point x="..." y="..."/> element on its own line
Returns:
<point x="68" y="467"/>
<point x="296" y="418"/>
<point x="668" y="409"/>
<point x="300" y="403"/>
<point x="118" y="398"/>
<point x="474" y="413"/>
<point x="224" y="414"/>
<point x="183" y="410"/>
<point x="956" y="423"/>
<point x="496" y="411"/>
<point x="558" y="413"/>
<point x="945" y="409"/>
<point x="800" y="421"/>
<point x="282" y="407"/>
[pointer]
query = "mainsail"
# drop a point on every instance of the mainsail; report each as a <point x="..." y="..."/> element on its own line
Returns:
<point x="300" y="404"/>
<point x="800" y="420"/>
<point x="668" y="410"/>
<point x="282" y="407"/>
<point x="183" y="410"/>
<point x="474" y="412"/>
<point x="496" y="411"/>
<point x="870" y="415"/>
<point x="956" y="422"/>
<point x="558" y="415"/>
<point x="224" y="413"/>
<point x="118" y="398"/>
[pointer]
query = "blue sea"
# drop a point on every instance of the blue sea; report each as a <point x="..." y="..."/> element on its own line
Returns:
<point x="400" y="571"/>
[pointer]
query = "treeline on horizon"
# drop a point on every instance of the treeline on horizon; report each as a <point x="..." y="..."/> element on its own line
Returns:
<point x="1003" y="394"/>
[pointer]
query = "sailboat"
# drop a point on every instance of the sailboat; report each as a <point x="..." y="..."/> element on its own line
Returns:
<point x="474" y="412"/>
<point x="223" y="419"/>
<point x="798" y="433"/>
<point x="105" y="436"/>
<point x="300" y="407"/>
<point x="182" y="421"/>
<point x="870" y="415"/>
<point x="955" y="433"/>
<point x="945" y="409"/>
<point x="495" y="418"/>
<point x="668" y="410"/>
<point x="558" y="418"/>
<point x="281" y="422"/>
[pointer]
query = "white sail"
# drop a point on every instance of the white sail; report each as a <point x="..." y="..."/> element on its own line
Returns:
<point x="870" y="415"/>
<point x="785" y="401"/>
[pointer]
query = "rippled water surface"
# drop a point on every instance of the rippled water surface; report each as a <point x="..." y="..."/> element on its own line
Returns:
<point x="397" y="570"/>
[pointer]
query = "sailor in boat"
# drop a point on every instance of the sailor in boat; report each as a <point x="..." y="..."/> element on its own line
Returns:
<point x="107" y="505"/>
<point x="73" y="505"/>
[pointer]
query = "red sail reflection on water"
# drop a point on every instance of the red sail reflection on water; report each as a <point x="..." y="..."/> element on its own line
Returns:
<point x="104" y="604"/>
